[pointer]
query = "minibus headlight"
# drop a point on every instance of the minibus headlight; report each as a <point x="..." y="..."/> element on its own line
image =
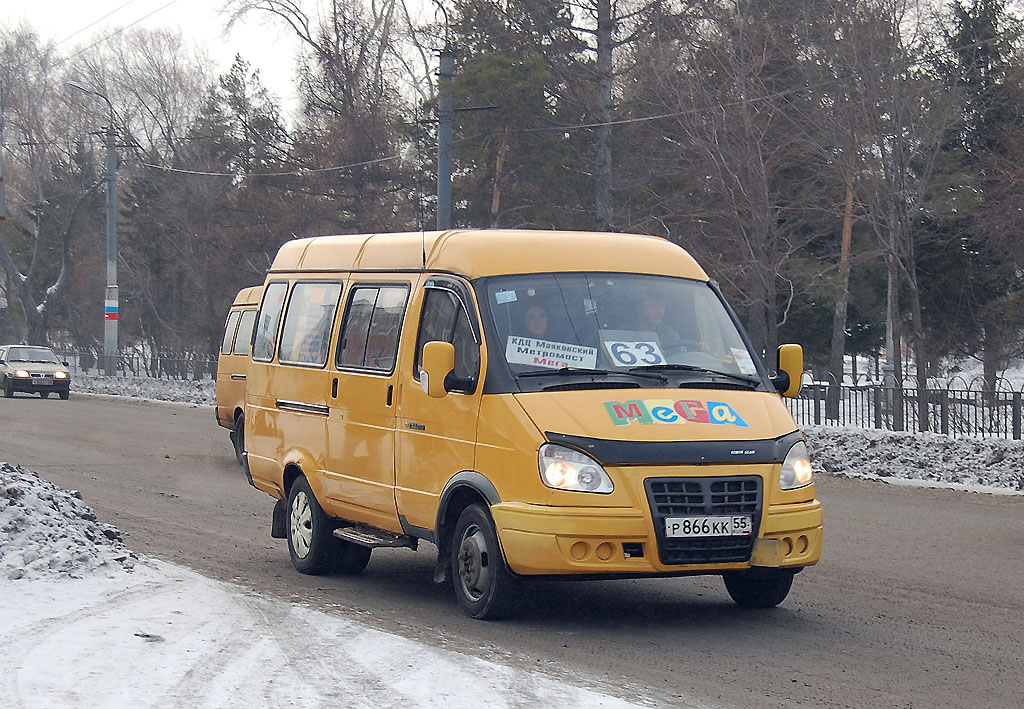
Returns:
<point x="567" y="469"/>
<point x="21" y="373"/>
<point x="796" y="468"/>
<point x="60" y="375"/>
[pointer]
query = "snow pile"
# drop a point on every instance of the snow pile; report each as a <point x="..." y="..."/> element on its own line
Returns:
<point x="179" y="390"/>
<point x="46" y="531"/>
<point x="988" y="463"/>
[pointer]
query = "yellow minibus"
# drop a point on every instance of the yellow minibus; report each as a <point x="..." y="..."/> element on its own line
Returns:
<point x="534" y="404"/>
<point x="233" y="365"/>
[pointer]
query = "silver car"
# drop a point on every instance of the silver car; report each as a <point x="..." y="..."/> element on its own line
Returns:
<point x="34" y="370"/>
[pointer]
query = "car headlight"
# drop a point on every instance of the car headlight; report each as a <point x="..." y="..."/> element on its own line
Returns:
<point x="21" y="373"/>
<point x="60" y="375"/>
<point x="563" y="468"/>
<point x="796" y="468"/>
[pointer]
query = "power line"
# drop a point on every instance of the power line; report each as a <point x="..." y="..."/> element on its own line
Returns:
<point x="118" y="31"/>
<point x="95" y="22"/>
<point x="299" y="172"/>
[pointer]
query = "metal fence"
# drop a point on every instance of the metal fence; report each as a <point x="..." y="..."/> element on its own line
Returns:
<point x="955" y="408"/>
<point x="137" y="363"/>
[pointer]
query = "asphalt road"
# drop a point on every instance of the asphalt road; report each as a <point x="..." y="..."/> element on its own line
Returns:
<point x="918" y="601"/>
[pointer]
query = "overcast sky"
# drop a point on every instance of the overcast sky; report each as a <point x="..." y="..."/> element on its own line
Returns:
<point x="74" y="23"/>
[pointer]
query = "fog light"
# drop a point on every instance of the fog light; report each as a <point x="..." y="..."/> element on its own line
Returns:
<point x="579" y="550"/>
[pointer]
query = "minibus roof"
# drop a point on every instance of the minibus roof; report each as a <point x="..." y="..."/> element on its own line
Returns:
<point x="489" y="252"/>
<point x="248" y="296"/>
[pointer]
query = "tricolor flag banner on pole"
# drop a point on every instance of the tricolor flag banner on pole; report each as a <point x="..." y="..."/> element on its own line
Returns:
<point x="110" y="310"/>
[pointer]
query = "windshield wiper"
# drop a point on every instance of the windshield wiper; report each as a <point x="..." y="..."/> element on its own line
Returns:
<point x="752" y="381"/>
<point x="595" y="372"/>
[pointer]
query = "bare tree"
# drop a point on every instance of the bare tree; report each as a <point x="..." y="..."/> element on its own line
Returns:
<point x="46" y="185"/>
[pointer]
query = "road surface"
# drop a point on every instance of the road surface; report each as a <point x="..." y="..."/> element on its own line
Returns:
<point x="918" y="601"/>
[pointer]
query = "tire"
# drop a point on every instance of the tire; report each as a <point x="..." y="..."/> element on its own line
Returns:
<point x="64" y="395"/>
<point x="238" y="439"/>
<point x="44" y="395"/>
<point x="8" y="388"/>
<point x="313" y="548"/>
<point x="484" y="586"/>
<point x="758" y="588"/>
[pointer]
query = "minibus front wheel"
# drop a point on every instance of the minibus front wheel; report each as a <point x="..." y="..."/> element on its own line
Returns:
<point x="311" y="542"/>
<point x="483" y="584"/>
<point x="758" y="588"/>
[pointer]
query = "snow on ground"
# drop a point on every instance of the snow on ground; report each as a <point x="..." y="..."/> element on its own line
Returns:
<point x="87" y="623"/>
<point x="973" y="464"/>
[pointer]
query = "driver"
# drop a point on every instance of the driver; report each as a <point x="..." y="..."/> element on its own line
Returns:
<point x="650" y="317"/>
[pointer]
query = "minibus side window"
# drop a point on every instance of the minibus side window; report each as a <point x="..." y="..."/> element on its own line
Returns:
<point x="229" y="332"/>
<point x="445" y="319"/>
<point x="306" y="335"/>
<point x="373" y="322"/>
<point x="266" y="323"/>
<point x="243" y="340"/>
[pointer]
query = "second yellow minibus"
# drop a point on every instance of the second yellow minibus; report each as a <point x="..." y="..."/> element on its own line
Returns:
<point x="535" y="404"/>
<point x="233" y="365"/>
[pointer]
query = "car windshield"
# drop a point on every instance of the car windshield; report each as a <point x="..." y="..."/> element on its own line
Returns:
<point x="32" y="354"/>
<point x="567" y="322"/>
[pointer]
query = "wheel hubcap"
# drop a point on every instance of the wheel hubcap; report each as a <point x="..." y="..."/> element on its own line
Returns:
<point x="472" y="563"/>
<point x="301" y="525"/>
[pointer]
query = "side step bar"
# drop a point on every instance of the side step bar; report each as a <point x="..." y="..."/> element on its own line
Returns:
<point x="367" y="537"/>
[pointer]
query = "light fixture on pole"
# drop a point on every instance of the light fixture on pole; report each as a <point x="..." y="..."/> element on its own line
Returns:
<point x="110" y="300"/>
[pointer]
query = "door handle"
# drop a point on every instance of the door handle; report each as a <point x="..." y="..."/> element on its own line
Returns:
<point x="334" y="388"/>
<point x="391" y="393"/>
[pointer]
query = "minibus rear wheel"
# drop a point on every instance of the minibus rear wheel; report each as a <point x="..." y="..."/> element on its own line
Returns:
<point x="758" y="588"/>
<point x="238" y="438"/>
<point x="311" y="542"/>
<point x="484" y="587"/>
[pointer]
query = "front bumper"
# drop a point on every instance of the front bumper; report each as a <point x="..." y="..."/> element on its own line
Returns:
<point x="31" y="385"/>
<point x="549" y="540"/>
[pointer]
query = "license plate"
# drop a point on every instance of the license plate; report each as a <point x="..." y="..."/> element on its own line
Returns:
<point x="709" y="526"/>
<point x="42" y="381"/>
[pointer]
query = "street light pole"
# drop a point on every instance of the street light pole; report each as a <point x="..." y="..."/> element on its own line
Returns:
<point x="110" y="299"/>
<point x="444" y="139"/>
<point x="444" y="126"/>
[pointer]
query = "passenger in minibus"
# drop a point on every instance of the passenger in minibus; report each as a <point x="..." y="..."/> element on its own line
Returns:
<point x="535" y="320"/>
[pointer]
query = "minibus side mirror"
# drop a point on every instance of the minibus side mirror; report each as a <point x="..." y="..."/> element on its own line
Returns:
<point x="791" y="369"/>
<point x="438" y="363"/>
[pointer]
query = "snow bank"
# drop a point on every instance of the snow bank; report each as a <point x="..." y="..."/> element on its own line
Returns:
<point x="179" y="390"/>
<point x="974" y="463"/>
<point x="46" y="531"/>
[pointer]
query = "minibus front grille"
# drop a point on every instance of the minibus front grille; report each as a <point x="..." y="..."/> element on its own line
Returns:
<point x="693" y="497"/>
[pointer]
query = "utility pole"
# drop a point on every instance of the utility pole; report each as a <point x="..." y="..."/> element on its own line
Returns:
<point x="444" y="138"/>
<point x="3" y="196"/>
<point x="110" y="298"/>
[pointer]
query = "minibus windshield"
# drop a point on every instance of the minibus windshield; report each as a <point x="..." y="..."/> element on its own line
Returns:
<point x="566" y="323"/>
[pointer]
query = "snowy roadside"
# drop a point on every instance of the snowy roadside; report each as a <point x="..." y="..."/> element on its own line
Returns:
<point x="970" y="464"/>
<point x="84" y="622"/>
